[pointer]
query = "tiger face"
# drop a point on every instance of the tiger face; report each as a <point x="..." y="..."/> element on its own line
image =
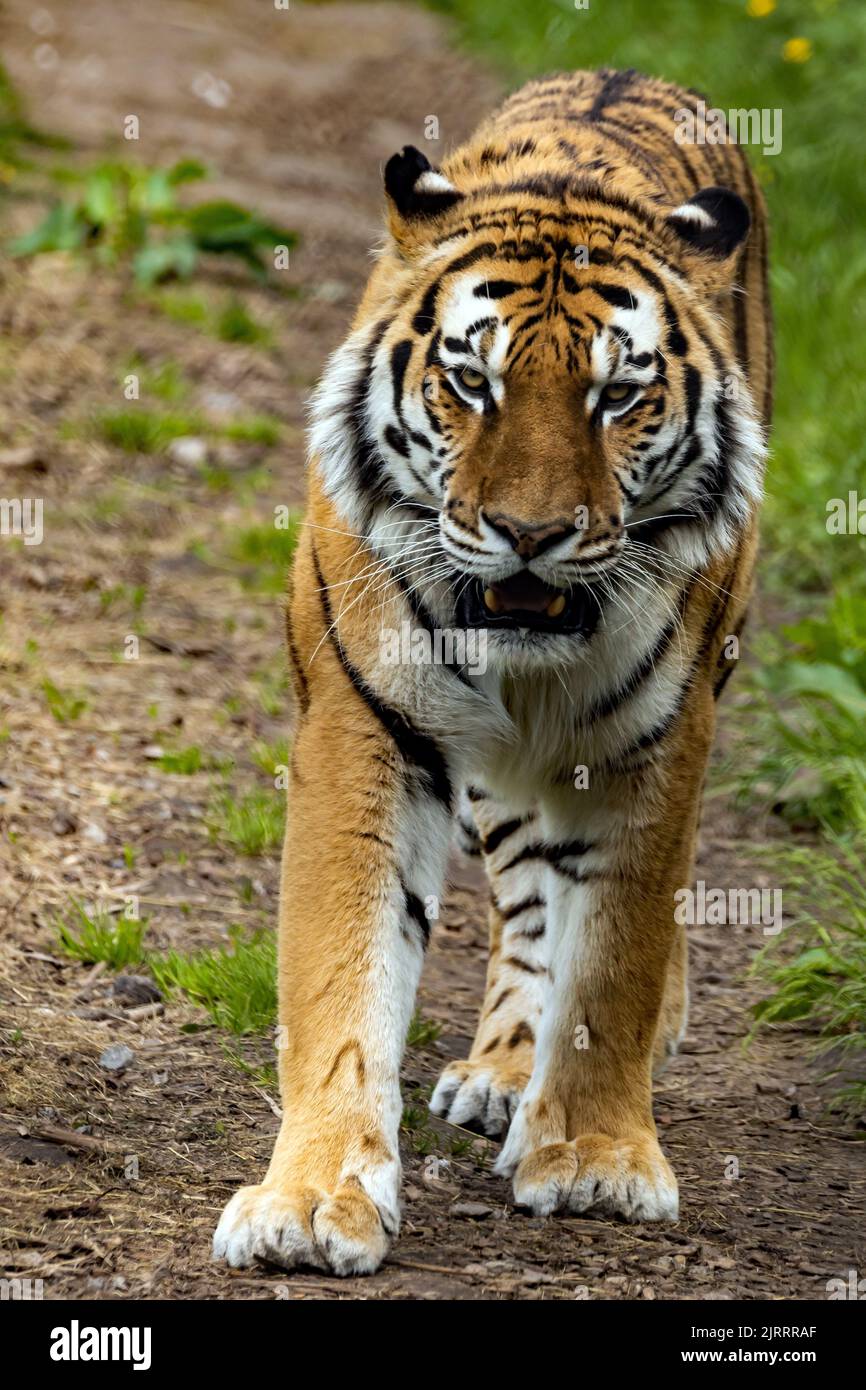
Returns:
<point x="546" y="402"/>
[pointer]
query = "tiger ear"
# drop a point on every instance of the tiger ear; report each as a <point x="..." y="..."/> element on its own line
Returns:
<point x="715" y="221"/>
<point x="416" y="193"/>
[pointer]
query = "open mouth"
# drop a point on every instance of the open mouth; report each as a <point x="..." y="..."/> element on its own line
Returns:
<point x="524" y="601"/>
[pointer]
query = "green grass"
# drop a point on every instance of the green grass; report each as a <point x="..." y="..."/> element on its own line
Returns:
<point x="141" y="429"/>
<point x="269" y="757"/>
<point x="186" y="762"/>
<point x="165" y="380"/>
<point x="181" y="306"/>
<point x="64" y="705"/>
<point x="237" y="985"/>
<point x="268" y="549"/>
<point x="229" y="320"/>
<point x="273" y="686"/>
<point x="99" y="936"/>
<point x="235" y="324"/>
<point x="251" y="822"/>
<point x="817" y="971"/>
<point x="422" y="1031"/>
<point x="258" y="429"/>
<point x="129" y="595"/>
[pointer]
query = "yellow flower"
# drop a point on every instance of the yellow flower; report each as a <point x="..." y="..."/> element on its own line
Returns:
<point x="759" y="9"/>
<point x="797" y="51"/>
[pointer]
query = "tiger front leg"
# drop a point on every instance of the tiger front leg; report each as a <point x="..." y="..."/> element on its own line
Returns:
<point x="584" y="1137"/>
<point x="483" y="1091"/>
<point x="366" y="843"/>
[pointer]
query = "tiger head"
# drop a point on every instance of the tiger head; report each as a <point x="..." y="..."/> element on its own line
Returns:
<point x="540" y="390"/>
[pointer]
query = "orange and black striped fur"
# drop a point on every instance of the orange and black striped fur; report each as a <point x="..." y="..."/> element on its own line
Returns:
<point x="545" y="430"/>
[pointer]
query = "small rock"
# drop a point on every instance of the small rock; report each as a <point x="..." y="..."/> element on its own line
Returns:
<point x="27" y="456"/>
<point x="188" y="450"/>
<point x="117" y="1057"/>
<point x="331" y="291"/>
<point x="224" y="404"/>
<point x="475" y="1210"/>
<point x="135" y="989"/>
<point x="154" y="751"/>
<point x="63" y="823"/>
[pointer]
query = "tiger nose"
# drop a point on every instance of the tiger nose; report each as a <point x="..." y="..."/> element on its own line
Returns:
<point x="526" y="539"/>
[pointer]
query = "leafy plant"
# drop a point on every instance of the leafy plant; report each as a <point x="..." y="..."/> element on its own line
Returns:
<point x="129" y="213"/>
<point x="16" y="130"/>
<point x="809" y="732"/>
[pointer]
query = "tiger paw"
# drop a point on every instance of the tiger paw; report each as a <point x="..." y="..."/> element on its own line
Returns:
<point x="481" y="1095"/>
<point x="343" y="1231"/>
<point x="596" y="1174"/>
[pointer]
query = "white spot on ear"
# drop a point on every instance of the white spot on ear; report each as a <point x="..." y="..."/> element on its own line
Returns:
<point x="431" y="181"/>
<point x="691" y="212"/>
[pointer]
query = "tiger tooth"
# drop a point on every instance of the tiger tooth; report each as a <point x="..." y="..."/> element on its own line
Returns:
<point x="491" y="601"/>
<point x="556" y="605"/>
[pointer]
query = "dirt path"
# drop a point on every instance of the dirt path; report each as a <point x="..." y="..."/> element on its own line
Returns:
<point x="316" y="99"/>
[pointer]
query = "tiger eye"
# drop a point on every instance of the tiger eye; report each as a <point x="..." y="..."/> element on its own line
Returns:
<point x="618" y="391"/>
<point x="474" y="380"/>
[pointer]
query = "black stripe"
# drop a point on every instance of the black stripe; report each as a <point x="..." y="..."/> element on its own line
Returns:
<point x="548" y="854"/>
<point x="635" y="679"/>
<point x="400" y="354"/>
<point x="426" y="316"/>
<point x="415" y="909"/>
<point x="498" y="289"/>
<point x="509" y="913"/>
<point x="366" y="455"/>
<point x="302" y="684"/>
<point x="613" y="294"/>
<point x="501" y="833"/>
<point x="416" y="748"/>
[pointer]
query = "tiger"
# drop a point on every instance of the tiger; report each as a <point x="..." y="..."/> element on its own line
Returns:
<point x="546" y="432"/>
